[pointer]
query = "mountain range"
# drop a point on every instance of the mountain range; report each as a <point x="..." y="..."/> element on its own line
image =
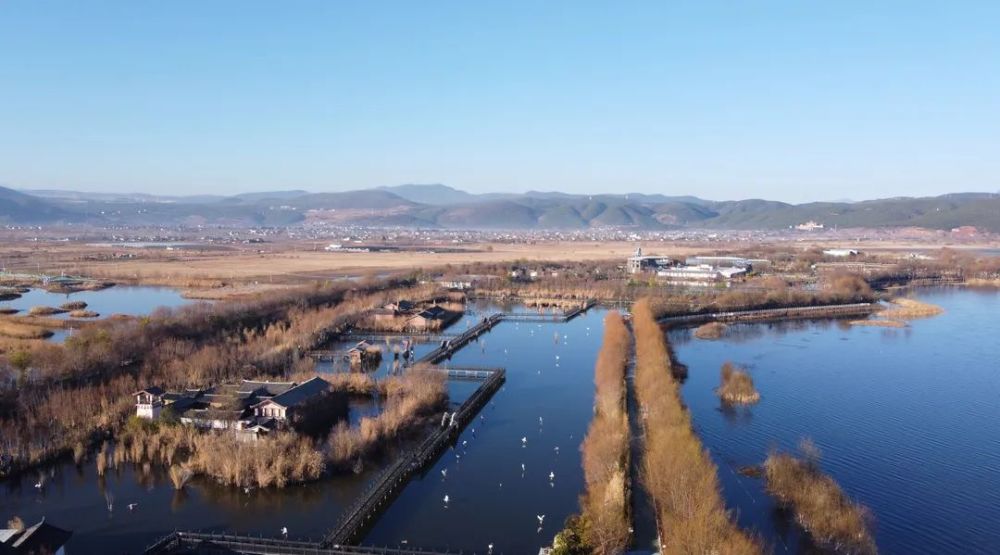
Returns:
<point x="441" y="206"/>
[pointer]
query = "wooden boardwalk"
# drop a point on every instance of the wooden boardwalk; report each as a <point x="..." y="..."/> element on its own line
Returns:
<point x="228" y="544"/>
<point x="834" y="311"/>
<point x="384" y="489"/>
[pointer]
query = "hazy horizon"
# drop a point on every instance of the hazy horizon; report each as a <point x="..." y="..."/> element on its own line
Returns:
<point x="780" y="101"/>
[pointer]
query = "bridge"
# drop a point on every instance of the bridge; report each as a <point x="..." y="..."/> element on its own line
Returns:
<point x="449" y="347"/>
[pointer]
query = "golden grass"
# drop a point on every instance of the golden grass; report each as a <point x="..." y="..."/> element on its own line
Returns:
<point x="46" y="311"/>
<point x="711" y="330"/>
<point x="81" y="313"/>
<point x="908" y="309"/>
<point x="73" y="305"/>
<point x="678" y="473"/>
<point x="17" y="330"/>
<point x="820" y="506"/>
<point x="736" y="387"/>
<point x="605" y="448"/>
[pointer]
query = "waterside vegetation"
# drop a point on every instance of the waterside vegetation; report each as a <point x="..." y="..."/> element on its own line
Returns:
<point x="677" y="472"/>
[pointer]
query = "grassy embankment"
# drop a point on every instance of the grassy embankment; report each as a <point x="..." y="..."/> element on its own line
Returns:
<point x="820" y="506"/>
<point x="679" y="474"/>
<point x="603" y="526"/>
<point x="736" y="387"/>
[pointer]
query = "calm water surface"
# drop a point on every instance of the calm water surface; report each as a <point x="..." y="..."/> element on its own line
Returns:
<point x="906" y="419"/>
<point x="480" y="510"/>
<point x="120" y="299"/>
<point x="490" y="499"/>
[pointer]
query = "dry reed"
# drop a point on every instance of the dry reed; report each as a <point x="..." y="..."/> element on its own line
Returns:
<point x="677" y="471"/>
<point x="820" y="506"/>
<point x="711" y="330"/>
<point x="605" y="448"/>
<point x="736" y="387"/>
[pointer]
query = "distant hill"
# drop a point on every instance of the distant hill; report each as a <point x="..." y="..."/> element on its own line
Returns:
<point x="431" y="194"/>
<point x="441" y="206"/>
<point x="19" y="208"/>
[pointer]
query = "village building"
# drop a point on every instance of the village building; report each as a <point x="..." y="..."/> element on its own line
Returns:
<point x="363" y="353"/>
<point x="430" y="318"/>
<point x="702" y="274"/>
<point x="841" y="253"/>
<point x="40" y="538"/>
<point x="639" y="263"/>
<point x="247" y="407"/>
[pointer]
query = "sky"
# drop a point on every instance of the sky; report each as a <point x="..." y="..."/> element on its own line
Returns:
<point x="792" y="101"/>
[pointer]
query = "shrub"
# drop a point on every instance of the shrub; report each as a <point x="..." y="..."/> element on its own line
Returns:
<point x="711" y="330"/>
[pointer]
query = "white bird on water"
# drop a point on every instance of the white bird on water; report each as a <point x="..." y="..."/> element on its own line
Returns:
<point x="540" y="421"/>
<point x="541" y="519"/>
<point x="284" y="531"/>
<point x="464" y="443"/>
<point x="557" y="449"/>
<point x="132" y="506"/>
<point x="552" y="476"/>
<point x="490" y="547"/>
<point x="446" y="499"/>
<point x="38" y="485"/>
<point x="522" y="468"/>
<point x="524" y="441"/>
<point x="444" y="472"/>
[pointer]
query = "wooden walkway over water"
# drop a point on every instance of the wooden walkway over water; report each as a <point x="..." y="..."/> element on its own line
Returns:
<point x="228" y="544"/>
<point x="390" y="482"/>
<point x="834" y="311"/>
<point x="384" y="489"/>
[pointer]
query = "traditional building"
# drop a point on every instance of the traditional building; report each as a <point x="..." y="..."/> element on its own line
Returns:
<point x="40" y="538"/>
<point x="249" y="406"/>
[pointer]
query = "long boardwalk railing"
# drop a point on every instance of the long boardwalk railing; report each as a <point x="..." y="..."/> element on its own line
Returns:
<point x="384" y="489"/>
<point x="449" y="347"/>
<point x="854" y="309"/>
<point x="228" y="544"/>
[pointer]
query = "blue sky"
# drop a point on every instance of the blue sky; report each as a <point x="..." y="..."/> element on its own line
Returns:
<point x="792" y="100"/>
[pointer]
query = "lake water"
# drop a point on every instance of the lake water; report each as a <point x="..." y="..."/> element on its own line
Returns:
<point x="538" y="385"/>
<point x="490" y="499"/>
<point x="121" y="299"/>
<point x="906" y="419"/>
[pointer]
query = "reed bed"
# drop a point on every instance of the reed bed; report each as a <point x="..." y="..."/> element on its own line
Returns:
<point x="73" y="305"/>
<point x="46" y="311"/>
<point x="908" y="309"/>
<point x="711" y="330"/>
<point x="409" y="400"/>
<point x="83" y="313"/>
<point x="603" y="527"/>
<point x="18" y="330"/>
<point x="820" y="506"/>
<point x="736" y="387"/>
<point x="678" y="473"/>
